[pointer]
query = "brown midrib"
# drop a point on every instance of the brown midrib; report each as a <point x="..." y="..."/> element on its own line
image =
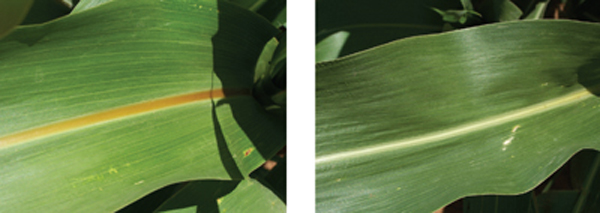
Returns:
<point x="116" y="113"/>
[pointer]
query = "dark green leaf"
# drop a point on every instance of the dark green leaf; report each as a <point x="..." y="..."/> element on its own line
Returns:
<point x="500" y="10"/>
<point x="557" y="201"/>
<point x="520" y="203"/>
<point x="45" y="10"/>
<point x="375" y="22"/>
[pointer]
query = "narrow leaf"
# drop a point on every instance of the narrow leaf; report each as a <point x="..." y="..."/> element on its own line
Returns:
<point x="88" y="4"/>
<point x="330" y="47"/>
<point x="467" y="5"/>
<point x="281" y="19"/>
<point x="538" y="11"/>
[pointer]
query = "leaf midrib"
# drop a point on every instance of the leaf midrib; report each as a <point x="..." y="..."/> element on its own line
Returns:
<point x="115" y="114"/>
<point x="479" y="125"/>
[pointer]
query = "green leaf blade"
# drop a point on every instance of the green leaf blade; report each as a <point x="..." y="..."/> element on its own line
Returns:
<point x="330" y="47"/>
<point x="103" y="60"/>
<point x="538" y="11"/>
<point x="453" y="110"/>
<point x="501" y="10"/>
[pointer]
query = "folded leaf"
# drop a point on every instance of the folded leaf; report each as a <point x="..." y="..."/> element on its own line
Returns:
<point x="12" y="13"/>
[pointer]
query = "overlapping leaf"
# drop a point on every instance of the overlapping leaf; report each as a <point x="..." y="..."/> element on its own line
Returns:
<point x="214" y="196"/>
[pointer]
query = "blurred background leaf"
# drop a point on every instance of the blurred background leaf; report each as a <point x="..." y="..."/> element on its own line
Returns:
<point x="272" y="10"/>
<point x="573" y="188"/>
<point x="12" y="13"/>
<point x="372" y="23"/>
<point x="330" y="47"/>
<point x="500" y="10"/>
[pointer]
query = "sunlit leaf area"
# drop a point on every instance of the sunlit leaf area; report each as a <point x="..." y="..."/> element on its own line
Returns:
<point x="142" y="106"/>
<point x="458" y="106"/>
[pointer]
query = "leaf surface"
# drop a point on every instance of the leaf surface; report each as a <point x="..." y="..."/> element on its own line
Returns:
<point x="417" y="123"/>
<point x="108" y="104"/>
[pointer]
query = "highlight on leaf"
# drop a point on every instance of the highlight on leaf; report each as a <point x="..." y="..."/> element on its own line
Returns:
<point x="487" y="113"/>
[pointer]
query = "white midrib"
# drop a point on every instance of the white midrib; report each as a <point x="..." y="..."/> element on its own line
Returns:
<point x="489" y="122"/>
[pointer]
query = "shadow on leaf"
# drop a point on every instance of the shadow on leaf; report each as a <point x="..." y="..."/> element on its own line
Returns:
<point x="588" y="75"/>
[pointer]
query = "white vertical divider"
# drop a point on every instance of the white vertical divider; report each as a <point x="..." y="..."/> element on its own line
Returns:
<point x="300" y="106"/>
